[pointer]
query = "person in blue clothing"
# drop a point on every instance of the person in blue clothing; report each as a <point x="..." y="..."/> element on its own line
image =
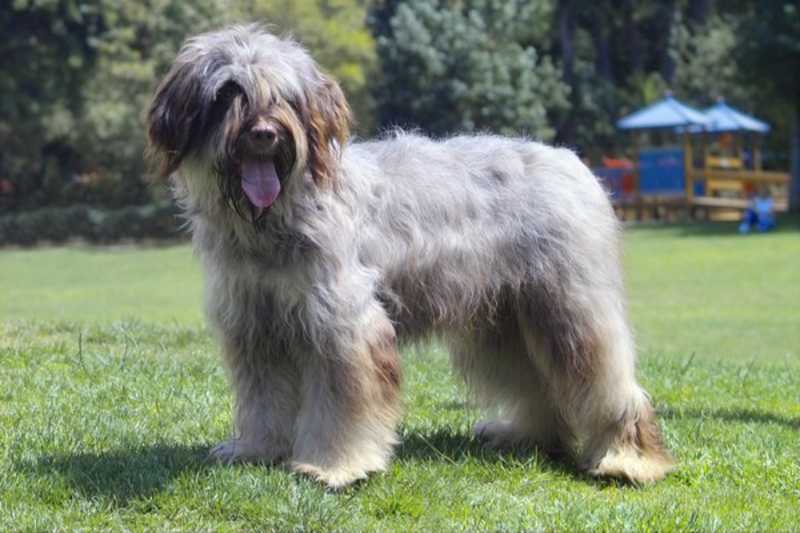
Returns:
<point x="761" y="212"/>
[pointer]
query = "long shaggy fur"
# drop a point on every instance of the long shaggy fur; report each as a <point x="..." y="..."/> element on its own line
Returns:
<point x="506" y="248"/>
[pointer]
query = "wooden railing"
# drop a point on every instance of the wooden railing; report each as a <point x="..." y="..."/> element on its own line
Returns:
<point x="734" y="181"/>
<point x="756" y="176"/>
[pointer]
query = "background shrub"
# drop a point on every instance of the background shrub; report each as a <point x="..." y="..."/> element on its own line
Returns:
<point x="95" y="225"/>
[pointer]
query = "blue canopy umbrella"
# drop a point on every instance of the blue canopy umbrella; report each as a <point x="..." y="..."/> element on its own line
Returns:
<point x="666" y="113"/>
<point x="724" y="118"/>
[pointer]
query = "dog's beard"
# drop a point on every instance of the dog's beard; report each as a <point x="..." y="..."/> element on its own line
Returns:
<point x="232" y="179"/>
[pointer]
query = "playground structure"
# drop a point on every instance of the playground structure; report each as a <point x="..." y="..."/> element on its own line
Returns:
<point x="704" y="164"/>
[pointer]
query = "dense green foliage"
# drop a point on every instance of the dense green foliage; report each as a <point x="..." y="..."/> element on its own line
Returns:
<point x="72" y="131"/>
<point x="76" y="75"/>
<point x="613" y="57"/>
<point x="81" y="73"/>
<point x="468" y="67"/>
<point x="106" y="420"/>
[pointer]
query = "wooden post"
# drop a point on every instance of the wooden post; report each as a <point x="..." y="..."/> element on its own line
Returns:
<point x="688" y="166"/>
<point x="634" y="202"/>
<point x="738" y="149"/>
<point x="757" y="153"/>
<point x="636" y="160"/>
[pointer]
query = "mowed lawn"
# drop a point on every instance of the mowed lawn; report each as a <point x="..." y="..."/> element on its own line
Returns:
<point x="111" y="394"/>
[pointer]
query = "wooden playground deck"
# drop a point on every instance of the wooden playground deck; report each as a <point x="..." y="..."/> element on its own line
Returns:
<point x="726" y="195"/>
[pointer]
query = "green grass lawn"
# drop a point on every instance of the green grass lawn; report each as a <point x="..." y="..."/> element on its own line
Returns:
<point x="101" y="285"/>
<point x="111" y="394"/>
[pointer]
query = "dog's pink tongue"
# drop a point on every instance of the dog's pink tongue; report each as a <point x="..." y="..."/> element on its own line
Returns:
<point x="260" y="182"/>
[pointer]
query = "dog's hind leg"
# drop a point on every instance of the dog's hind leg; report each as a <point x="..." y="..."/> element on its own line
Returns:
<point x="504" y="381"/>
<point x="350" y="390"/>
<point x="528" y="421"/>
<point x="581" y="342"/>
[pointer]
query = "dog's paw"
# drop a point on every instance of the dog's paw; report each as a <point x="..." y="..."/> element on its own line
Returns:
<point x="238" y="451"/>
<point x="640" y="467"/>
<point x="496" y="434"/>
<point x="229" y="451"/>
<point x="334" y="478"/>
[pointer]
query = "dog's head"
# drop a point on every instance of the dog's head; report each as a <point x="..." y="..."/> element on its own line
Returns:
<point x="250" y="110"/>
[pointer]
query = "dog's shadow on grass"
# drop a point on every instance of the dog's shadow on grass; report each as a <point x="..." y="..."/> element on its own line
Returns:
<point x="126" y="475"/>
<point x="733" y="415"/>
<point x="454" y="447"/>
<point x="122" y="475"/>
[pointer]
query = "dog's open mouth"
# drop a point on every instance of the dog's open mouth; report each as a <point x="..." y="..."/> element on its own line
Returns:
<point x="252" y="180"/>
<point x="260" y="182"/>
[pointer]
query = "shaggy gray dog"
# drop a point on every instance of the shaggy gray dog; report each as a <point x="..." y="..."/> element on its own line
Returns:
<point x="321" y="255"/>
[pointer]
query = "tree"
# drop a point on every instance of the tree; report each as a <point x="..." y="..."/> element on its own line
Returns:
<point x="582" y="39"/>
<point x="704" y="56"/>
<point x="137" y="44"/>
<point x="769" y="47"/>
<point x="72" y="131"/>
<point x="467" y="66"/>
<point x="42" y="79"/>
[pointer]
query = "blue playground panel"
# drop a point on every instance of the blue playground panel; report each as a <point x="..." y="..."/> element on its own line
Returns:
<point x="661" y="171"/>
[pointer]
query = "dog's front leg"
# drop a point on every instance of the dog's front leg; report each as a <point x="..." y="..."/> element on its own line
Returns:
<point x="350" y="398"/>
<point x="265" y="382"/>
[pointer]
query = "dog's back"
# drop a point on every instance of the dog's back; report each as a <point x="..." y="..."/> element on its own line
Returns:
<point x="448" y="225"/>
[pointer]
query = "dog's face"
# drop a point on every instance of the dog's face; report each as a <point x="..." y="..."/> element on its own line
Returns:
<point x="241" y="114"/>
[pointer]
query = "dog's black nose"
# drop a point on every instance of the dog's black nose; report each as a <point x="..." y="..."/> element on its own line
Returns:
<point x="264" y="133"/>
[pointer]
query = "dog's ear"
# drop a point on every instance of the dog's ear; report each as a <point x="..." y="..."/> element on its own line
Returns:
<point x="176" y="117"/>
<point x="328" y="129"/>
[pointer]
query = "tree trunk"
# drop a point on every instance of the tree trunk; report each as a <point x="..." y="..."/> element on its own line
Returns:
<point x="566" y="34"/>
<point x="699" y="11"/>
<point x="601" y="49"/>
<point x="565" y="19"/>
<point x="667" y="63"/>
<point x="794" y="187"/>
<point x="632" y="39"/>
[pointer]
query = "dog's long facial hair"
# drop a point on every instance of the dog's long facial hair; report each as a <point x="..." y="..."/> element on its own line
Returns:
<point x="313" y="256"/>
<point x="255" y="130"/>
